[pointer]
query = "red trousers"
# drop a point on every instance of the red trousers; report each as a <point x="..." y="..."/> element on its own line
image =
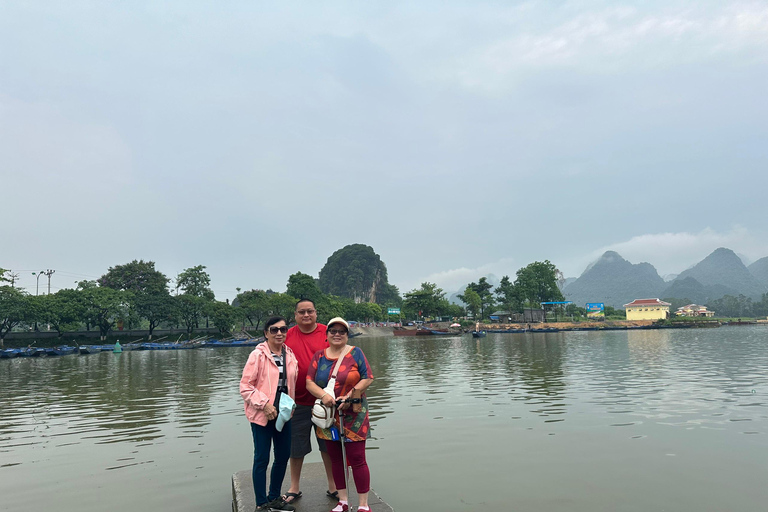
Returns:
<point x="355" y="459"/>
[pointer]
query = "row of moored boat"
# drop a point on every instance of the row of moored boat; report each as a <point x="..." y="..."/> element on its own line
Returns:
<point x="65" y="350"/>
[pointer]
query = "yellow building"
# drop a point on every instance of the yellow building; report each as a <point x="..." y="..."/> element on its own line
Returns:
<point x="647" y="309"/>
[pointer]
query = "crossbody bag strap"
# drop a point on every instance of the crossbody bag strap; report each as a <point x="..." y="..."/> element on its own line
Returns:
<point x="344" y="353"/>
<point x="332" y="379"/>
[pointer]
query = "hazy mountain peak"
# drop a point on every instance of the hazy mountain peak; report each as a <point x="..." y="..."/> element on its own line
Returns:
<point x="725" y="269"/>
<point x="615" y="281"/>
<point x="759" y="269"/>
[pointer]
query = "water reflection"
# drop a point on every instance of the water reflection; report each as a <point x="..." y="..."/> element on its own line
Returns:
<point x="174" y="419"/>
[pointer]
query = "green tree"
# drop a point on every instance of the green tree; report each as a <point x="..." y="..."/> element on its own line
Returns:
<point x="303" y="286"/>
<point x="471" y="299"/>
<point x="732" y="306"/>
<point x="4" y="279"/>
<point x="189" y="309"/>
<point x="331" y="306"/>
<point x="103" y="306"/>
<point x="483" y="289"/>
<point x="282" y="304"/>
<point x="223" y="316"/>
<point x="363" y="312"/>
<point x="254" y="306"/>
<point x="150" y="297"/>
<point x="450" y="309"/>
<point x="760" y="309"/>
<point x="537" y="283"/>
<point x="138" y="276"/>
<point x="85" y="284"/>
<point x="424" y="301"/>
<point x="63" y="310"/>
<point x="195" y="281"/>
<point x="508" y="296"/>
<point x="15" y="308"/>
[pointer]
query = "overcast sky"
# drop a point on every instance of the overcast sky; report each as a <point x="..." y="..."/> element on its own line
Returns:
<point x="455" y="138"/>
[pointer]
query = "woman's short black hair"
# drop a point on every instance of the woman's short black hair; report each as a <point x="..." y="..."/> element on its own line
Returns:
<point x="272" y="321"/>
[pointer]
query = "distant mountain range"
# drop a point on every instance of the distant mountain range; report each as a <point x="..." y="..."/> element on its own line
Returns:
<point x="615" y="281"/>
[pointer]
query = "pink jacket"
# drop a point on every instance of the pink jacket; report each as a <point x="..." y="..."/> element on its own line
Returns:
<point x="258" y="385"/>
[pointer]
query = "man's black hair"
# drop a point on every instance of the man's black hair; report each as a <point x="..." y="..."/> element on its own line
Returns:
<point x="304" y="299"/>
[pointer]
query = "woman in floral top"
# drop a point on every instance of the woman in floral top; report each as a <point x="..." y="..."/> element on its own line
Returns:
<point x="353" y="378"/>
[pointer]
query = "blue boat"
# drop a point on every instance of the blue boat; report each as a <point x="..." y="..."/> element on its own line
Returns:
<point x="478" y="334"/>
<point x="31" y="352"/>
<point x="63" y="350"/>
<point x="89" y="349"/>
<point x="8" y="353"/>
<point x="234" y="343"/>
<point x="169" y="346"/>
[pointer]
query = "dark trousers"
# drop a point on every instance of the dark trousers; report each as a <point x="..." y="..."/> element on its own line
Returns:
<point x="263" y="438"/>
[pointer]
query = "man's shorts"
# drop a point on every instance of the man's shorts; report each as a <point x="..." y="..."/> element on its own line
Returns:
<point x="302" y="429"/>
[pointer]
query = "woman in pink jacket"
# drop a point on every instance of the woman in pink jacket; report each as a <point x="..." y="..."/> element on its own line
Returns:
<point x="271" y="369"/>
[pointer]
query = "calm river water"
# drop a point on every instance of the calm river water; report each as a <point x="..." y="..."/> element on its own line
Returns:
<point x="671" y="420"/>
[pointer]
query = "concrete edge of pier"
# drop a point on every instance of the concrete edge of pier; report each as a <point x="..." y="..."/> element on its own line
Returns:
<point x="313" y="488"/>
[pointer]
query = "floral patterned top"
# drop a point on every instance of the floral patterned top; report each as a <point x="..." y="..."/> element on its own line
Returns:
<point x="354" y="367"/>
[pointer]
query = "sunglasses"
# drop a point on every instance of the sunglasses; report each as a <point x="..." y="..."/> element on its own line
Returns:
<point x="337" y="331"/>
<point x="275" y="330"/>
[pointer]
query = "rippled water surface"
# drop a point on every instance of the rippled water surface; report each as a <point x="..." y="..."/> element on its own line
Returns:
<point x="585" y="421"/>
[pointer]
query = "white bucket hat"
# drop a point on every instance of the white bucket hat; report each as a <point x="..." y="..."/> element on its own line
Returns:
<point x="284" y="411"/>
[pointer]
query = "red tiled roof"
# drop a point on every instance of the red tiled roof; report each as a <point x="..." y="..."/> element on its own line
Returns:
<point x="647" y="302"/>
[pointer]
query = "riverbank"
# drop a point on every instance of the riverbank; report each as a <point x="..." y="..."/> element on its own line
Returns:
<point x="559" y="326"/>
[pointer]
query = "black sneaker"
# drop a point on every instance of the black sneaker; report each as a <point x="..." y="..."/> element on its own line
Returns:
<point x="280" y="504"/>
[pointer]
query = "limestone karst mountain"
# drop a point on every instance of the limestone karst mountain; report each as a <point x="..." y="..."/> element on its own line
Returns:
<point x="615" y="281"/>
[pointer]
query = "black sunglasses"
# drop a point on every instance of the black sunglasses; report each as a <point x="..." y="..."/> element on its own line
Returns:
<point x="274" y="330"/>
<point x="337" y="331"/>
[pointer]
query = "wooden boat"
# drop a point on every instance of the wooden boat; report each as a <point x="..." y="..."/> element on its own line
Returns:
<point x="412" y="332"/>
<point x="354" y="334"/>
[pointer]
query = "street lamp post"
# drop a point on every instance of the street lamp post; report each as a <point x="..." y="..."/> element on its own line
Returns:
<point x="38" y="274"/>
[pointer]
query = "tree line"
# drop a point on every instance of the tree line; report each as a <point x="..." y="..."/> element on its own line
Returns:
<point x="535" y="283"/>
<point x="137" y="296"/>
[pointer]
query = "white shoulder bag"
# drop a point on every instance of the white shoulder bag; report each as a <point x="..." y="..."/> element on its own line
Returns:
<point x="322" y="415"/>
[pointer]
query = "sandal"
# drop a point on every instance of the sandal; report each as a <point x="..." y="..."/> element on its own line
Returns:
<point x="293" y="497"/>
<point x="334" y="495"/>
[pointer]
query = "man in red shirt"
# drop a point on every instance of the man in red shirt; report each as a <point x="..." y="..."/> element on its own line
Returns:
<point x="305" y="339"/>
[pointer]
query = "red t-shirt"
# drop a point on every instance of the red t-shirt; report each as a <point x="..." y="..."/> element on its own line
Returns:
<point x="305" y="346"/>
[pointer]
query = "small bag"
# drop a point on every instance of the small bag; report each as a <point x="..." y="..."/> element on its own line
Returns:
<point x="322" y="415"/>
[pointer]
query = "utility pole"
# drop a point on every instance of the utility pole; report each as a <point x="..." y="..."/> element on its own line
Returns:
<point x="13" y="276"/>
<point x="49" y="273"/>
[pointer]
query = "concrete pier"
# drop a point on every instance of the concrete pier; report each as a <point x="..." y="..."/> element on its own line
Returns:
<point x="313" y="487"/>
